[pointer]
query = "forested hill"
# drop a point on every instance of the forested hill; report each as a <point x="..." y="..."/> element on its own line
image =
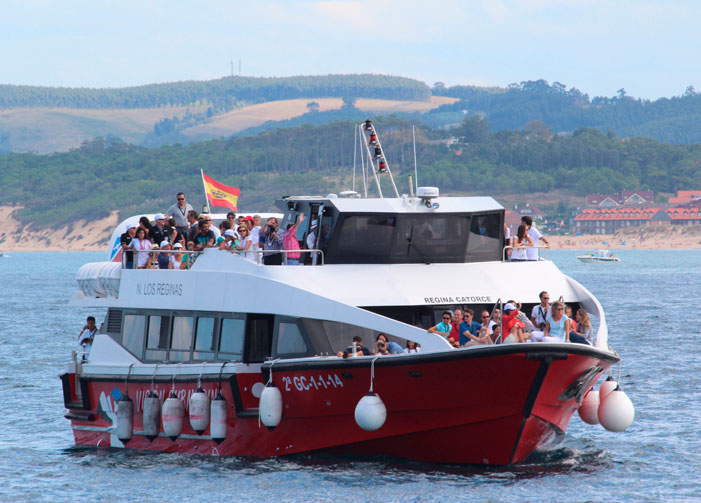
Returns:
<point x="222" y="93"/>
<point x="676" y="119"/>
<point x="106" y="174"/>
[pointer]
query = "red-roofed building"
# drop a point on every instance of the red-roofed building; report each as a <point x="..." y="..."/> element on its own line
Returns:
<point x="684" y="216"/>
<point x="608" y="221"/>
<point x="685" y="196"/>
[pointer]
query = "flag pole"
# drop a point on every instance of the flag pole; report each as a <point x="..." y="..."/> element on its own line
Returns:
<point x="204" y="186"/>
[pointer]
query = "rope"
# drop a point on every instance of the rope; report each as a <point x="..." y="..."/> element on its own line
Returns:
<point x="153" y="377"/>
<point x="372" y="370"/>
<point x="220" y="373"/>
<point x="126" y="381"/>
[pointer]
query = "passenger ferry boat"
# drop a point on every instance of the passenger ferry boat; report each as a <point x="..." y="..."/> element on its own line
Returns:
<point x="233" y="357"/>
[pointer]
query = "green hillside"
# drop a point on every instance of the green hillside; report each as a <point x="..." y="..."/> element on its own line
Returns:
<point x="108" y="174"/>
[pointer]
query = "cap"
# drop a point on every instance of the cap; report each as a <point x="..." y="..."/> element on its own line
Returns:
<point x="130" y="226"/>
<point x="230" y="232"/>
<point x="249" y="217"/>
<point x="509" y="306"/>
<point x="165" y="242"/>
<point x="177" y="245"/>
<point x="315" y="223"/>
<point x="159" y="216"/>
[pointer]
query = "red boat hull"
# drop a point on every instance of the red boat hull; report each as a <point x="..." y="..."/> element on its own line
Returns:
<point x="492" y="405"/>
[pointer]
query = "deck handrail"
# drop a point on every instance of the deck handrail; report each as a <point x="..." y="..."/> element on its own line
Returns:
<point x="521" y="247"/>
<point x="192" y="255"/>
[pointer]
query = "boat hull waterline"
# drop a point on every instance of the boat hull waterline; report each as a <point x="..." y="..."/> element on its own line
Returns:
<point x="478" y="406"/>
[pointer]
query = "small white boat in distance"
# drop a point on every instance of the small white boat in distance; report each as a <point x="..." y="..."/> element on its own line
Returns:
<point x="599" y="256"/>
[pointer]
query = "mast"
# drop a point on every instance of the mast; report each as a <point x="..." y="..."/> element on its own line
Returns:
<point x="204" y="187"/>
<point x="373" y="141"/>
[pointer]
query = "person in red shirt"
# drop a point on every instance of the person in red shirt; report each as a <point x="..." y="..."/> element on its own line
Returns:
<point x="454" y="336"/>
<point x="510" y="325"/>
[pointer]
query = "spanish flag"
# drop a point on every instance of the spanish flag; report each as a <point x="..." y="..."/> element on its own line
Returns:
<point x="219" y="194"/>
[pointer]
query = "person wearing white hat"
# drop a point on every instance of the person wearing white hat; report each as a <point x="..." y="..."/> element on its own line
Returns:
<point x="176" y="258"/>
<point x="157" y="233"/>
<point x="229" y="240"/>
<point x="512" y="328"/>
<point x="164" y="258"/>
<point x="125" y="243"/>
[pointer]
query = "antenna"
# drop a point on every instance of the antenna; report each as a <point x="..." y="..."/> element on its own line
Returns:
<point x="416" y="173"/>
<point x="239" y="67"/>
<point x="355" y="151"/>
<point x="232" y="67"/>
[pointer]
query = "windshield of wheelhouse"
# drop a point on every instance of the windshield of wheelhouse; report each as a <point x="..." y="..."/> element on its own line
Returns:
<point x="416" y="238"/>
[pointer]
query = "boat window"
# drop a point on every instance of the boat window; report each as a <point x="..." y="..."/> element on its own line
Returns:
<point x="365" y="238"/>
<point x="204" y="339"/>
<point x="485" y="237"/>
<point x="289" y="339"/>
<point x="259" y="334"/>
<point x="134" y="328"/>
<point x="181" y="342"/>
<point x="231" y="339"/>
<point x="432" y="238"/>
<point x="416" y="238"/>
<point x="157" y="337"/>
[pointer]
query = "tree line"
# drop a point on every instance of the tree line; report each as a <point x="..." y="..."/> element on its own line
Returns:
<point x="223" y="93"/>
<point x="106" y="174"/>
<point x="675" y="120"/>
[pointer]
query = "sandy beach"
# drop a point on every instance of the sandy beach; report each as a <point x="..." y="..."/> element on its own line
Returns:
<point x="93" y="235"/>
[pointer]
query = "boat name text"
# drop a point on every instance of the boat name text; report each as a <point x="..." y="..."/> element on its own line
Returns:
<point x="458" y="299"/>
<point x="164" y="289"/>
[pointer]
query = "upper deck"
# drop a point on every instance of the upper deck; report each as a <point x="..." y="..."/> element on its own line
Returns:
<point x="401" y="230"/>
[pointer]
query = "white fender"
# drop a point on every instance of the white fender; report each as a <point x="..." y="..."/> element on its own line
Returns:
<point x="199" y="411"/>
<point x="606" y="387"/>
<point x="217" y="424"/>
<point x="370" y="413"/>
<point x="616" y="413"/>
<point x="270" y="406"/>
<point x="152" y="415"/>
<point x="589" y="409"/>
<point x="173" y="413"/>
<point x="125" y="418"/>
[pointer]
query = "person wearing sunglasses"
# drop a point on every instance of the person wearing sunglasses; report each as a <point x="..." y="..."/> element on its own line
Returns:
<point x="179" y="212"/>
<point x="470" y="330"/>
<point x="540" y="312"/>
<point x="444" y="328"/>
<point x="557" y="326"/>
<point x="245" y="244"/>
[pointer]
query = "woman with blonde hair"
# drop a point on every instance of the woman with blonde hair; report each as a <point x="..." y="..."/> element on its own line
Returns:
<point x="557" y="326"/>
<point x="584" y="333"/>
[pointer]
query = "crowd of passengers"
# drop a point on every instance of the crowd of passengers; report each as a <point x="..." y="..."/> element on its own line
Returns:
<point x="167" y="242"/>
<point x="546" y="323"/>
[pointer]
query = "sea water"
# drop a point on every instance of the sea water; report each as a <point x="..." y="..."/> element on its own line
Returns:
<point x="652" y="302"/>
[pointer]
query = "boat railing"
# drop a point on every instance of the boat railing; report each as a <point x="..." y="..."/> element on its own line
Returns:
<point x="189" y="257"/>
<point x="542" y="252"/>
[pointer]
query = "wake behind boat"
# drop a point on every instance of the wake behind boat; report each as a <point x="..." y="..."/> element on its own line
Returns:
<point x="234" y="357"/>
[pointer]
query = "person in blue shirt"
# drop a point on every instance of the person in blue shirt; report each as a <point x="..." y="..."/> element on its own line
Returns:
<point x="385" y="347"/>
<point x="444" y="327"/>
<point x="469" y="329"/>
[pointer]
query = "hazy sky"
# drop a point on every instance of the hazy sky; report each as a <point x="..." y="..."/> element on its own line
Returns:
<point x="650" y="48"/>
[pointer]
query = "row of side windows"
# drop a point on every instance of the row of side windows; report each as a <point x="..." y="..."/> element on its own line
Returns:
<point x="207" y="337"/>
